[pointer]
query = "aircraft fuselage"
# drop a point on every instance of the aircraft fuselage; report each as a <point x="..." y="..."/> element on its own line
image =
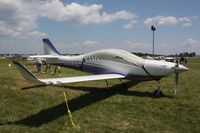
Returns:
<point x="117" y="62"/>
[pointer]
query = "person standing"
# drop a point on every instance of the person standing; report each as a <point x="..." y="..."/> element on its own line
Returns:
<point x="57" y="70"/>
<point x="48" y="67"/>
<point x="38" y="65"/>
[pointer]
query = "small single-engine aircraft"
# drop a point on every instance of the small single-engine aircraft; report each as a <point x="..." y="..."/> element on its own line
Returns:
<point x="103" y="65"/>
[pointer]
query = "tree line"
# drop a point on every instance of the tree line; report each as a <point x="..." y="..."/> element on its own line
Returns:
<point x="183" y="54"/>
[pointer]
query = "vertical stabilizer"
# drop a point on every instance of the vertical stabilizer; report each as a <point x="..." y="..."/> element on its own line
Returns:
<point x="49" y="49"/>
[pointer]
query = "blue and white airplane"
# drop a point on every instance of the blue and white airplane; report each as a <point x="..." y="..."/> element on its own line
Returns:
<point x="103" y="65"/>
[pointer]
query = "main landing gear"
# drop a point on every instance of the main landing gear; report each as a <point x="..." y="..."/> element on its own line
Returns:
<point x="158" y="92"/>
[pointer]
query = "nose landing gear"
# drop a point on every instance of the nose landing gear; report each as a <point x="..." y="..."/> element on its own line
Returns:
<point x="158" y="92"/>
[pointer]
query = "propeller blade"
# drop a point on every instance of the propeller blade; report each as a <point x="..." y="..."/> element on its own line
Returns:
<point x="178" y="68"/>
<point x="176" y="82"/>
<point x="176" y="76"/>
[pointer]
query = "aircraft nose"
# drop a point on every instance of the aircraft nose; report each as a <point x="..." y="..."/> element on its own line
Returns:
<point x="181" y="69"/>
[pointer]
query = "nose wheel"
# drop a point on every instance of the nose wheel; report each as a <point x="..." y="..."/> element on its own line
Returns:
<point x="158" y="92"/>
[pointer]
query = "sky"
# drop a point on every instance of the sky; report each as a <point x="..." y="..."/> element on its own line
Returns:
<point x="80" y="26"/>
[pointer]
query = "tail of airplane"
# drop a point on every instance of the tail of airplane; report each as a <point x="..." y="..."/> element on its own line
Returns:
<point x="49" y="49"/>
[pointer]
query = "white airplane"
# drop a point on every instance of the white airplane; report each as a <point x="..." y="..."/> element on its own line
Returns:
<point x="103" y="65"/>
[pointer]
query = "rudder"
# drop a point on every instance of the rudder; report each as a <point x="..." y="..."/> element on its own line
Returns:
<point x="49" y="49"/>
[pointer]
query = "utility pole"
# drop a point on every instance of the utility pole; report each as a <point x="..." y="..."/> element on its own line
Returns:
<point x="153" y="29"/>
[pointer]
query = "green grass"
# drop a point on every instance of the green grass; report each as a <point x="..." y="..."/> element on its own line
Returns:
<point x="28" y="107"/>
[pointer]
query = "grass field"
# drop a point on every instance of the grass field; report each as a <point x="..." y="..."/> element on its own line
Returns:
<point x="28" y="107"/>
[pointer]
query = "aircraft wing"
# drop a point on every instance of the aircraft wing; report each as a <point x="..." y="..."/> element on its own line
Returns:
<point x="53" y="81"/>
<point x="80" y="78"/>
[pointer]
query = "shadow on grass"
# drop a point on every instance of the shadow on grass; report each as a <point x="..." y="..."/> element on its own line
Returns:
<point x="33" y="86"/>
<point x="95" y="95"/>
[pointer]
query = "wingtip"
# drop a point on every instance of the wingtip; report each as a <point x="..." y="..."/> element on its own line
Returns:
<point x="25" y="72"/>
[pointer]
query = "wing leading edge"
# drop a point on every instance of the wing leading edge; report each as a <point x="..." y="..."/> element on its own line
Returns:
<point x="53" y="81"/>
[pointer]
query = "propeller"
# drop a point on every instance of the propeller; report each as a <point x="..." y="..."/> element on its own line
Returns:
<point x="176" y="67"/>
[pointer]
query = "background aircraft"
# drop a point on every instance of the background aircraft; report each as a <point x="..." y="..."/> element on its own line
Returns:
<point x="103" y="65"/>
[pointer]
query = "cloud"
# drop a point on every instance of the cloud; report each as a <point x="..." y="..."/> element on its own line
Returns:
<point x="90" y="42"/>
<point x="161" y="20"/>
<point x="187" y="45"/>
<point x="36" y="34"/>
<point x="130" y="24"/>
<point x="190" y="42"/>
<point x="131" y="44"/>
<point x="19" y="17"/>
<point x="82" y="14"/>
<point x="186" y="22"/>
<point x="135" y="46"/>
<point x="191" y="45"/>
<point x="5" y="29"/>
<point x="169" y="20"/>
